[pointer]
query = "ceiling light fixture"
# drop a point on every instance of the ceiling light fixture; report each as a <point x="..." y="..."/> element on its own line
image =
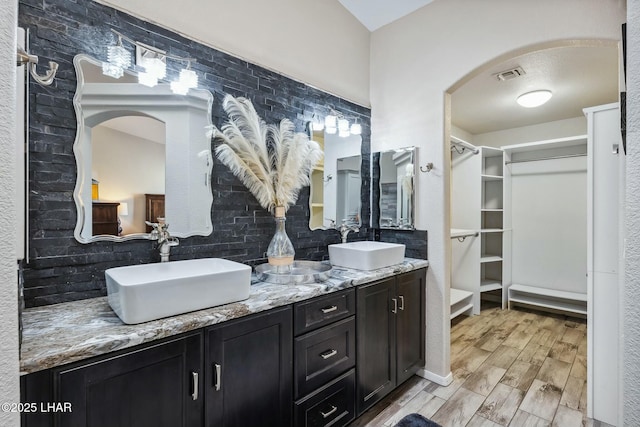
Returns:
<point x="336" y="122"/>
<point x="534" y="99"/>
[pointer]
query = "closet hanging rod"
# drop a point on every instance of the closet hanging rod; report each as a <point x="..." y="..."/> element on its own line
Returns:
<point x="545" y="158"/>
<point x="464" y="144"/>
<point x="462" y="236"/>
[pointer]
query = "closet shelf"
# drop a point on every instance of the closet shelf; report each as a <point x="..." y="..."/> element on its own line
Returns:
<point x="573" y="302"/>
<point x="491" y="178"/>
<point x="492" y="230"/>
<point x="490" y="285"/>
<point x="491" y="210"/>
<point x="461" y="302"/>
<point x="490" y="258"/>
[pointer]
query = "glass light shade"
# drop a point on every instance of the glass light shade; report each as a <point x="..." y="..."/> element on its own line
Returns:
<point x="343" y="133"/>
<point x="111" y="70"/>
<point x="154" y="66"/>
<point x="356" y="129"/>
<point x="343" y="125"/>
<point x="534" y="99"/>
<point x="331" y="121"/>
<point x="188" y="78"/>
<point x="118" y="55"/>
<point x="147" y="79"/>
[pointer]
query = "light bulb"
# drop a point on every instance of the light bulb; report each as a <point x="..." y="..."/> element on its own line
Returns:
<point x="330" y="121"/>
<point x="154" y="66"/>
<point x="188" y="78"/>
<point x="147" y="79"/>
<point x="343" y="125"/>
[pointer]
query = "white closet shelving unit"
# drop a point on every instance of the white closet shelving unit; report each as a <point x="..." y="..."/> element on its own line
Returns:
<point x="536" y="250"/>
<point x="477" y="200"/>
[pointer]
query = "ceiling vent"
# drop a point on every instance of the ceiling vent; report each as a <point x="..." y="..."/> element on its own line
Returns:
<point x="510" y="74"/>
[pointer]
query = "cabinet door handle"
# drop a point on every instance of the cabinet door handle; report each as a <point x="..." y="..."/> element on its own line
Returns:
<point x="401" y="302"/>
<point x="218" y="379"/>
<point x="194" y="376"/>
<point x="329" y="309"/>
<point x="328" y="354"/>
<point x="395" y="305"/>
<point x="331" y="411"/>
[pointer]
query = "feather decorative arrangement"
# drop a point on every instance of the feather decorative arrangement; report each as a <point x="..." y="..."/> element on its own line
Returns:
<point x="272" y="161"/>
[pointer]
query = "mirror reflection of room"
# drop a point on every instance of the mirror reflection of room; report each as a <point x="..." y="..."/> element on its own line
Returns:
<point x="336" y="182"/>
<point x="118" y="147"/>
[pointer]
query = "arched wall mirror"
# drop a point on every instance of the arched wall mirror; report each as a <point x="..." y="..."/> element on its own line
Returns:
<point x="336" y="182"/>
<point x="142" y="153"/>
<point x="393" y="179"/>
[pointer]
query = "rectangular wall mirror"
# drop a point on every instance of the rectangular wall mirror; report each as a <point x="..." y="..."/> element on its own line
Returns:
<point x="393" y="199"/>
<point x="336" y="182"/>
<point x="142" y="153"/>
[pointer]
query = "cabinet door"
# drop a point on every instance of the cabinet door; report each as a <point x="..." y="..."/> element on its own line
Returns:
<point x="151" y="387"/>
<point x="410" y="323"/>
<point x="376" y="354"/>
<point x="249" y="371"/>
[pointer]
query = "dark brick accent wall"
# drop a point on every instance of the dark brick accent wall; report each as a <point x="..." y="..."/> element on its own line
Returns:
<point x="61" y="269"/>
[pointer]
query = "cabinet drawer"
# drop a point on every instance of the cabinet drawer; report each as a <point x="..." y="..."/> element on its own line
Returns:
<point x="332" y="405"/>
<point x="323" y="354"/>
<point x="321" y="311"/>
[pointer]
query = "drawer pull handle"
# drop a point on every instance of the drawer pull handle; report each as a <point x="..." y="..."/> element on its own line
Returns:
<point x="218" y="379"/>
<point x="329" y="309"/>
<point x="328" y="354"/>
<point x="331" y="411"/>
<point x="194" y="395"/>
<point x="394" y="310"/>
<point x="401" y="302"/>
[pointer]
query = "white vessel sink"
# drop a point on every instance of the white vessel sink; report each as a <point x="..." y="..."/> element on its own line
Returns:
<point x="140" y="293"/>
<point x="366" y="255"/>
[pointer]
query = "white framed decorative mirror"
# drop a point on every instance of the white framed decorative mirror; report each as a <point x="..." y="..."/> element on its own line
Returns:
<point x="141" y="153"/>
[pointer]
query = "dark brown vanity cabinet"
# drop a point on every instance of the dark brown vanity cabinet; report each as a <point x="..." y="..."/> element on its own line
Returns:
<point x="391" y="335"/>
<point x="324" y="360"/>
<point x="157" y="385"/>
<point x="248" y="366"/>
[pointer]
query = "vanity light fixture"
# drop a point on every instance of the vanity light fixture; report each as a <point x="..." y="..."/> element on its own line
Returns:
<point x="153" y="63"/>
<point x="534" y="99"/>
<point x="336" y="122"/>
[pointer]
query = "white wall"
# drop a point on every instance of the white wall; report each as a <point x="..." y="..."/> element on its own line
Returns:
<point x="9" y="383"/>
<point x="416" y="59"/>
<point x="317" y="42"/>
<point x="540" y="132"/>
<point x="631" y="373"/>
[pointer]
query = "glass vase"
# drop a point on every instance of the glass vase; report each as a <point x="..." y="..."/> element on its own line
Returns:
<point x="280" y="252"/>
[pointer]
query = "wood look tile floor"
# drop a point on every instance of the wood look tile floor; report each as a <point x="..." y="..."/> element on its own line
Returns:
<point x="514" y="368"/>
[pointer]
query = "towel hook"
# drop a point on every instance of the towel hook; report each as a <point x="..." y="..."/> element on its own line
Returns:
<point x="427" y="167"/>
<point x="30" y="61"/>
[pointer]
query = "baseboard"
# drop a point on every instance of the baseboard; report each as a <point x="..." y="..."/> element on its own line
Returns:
<point x="438" y="379"/>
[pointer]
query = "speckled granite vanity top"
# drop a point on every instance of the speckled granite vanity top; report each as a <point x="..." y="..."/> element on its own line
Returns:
<point x="57" y="334"/>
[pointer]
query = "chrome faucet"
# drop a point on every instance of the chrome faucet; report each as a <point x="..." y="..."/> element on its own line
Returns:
<point x="345" y="229"/>
<point x="160" y="233"/>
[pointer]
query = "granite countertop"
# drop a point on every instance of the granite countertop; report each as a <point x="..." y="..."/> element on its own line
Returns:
<point x="57" y="334"/>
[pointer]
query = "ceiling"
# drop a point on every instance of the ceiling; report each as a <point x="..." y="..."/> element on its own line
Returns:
<point x="374" y="14"/>
<point x="579" y="77"/>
